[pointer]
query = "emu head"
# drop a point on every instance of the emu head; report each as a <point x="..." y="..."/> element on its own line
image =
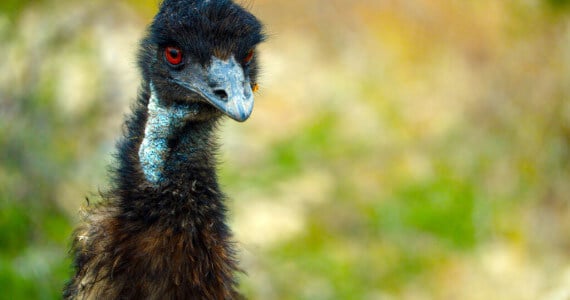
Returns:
<point x="201" y="54"/>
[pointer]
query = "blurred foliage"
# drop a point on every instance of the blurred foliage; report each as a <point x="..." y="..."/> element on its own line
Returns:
<point x="398" y="150"/>
<point x="559" y="4"/>
<point x="12" y="8"/>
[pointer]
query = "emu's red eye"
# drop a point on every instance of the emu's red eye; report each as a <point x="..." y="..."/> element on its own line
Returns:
<point x="249" y="56"/>
<point x="173" y="55"/>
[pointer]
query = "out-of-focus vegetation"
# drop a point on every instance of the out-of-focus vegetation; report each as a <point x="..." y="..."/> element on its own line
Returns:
<point x="398" y="149"/>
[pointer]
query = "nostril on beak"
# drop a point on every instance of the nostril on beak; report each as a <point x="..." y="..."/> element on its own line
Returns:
<point x="221" y="94"/>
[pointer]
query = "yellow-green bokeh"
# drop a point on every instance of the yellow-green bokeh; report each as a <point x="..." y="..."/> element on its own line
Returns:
<point x="398" y="149"/>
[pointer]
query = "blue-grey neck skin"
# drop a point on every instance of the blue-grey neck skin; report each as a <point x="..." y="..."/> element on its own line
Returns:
<point x="163" y="121"/>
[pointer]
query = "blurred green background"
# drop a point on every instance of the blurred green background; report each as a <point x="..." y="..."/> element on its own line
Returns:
<point x="414" y="149"/>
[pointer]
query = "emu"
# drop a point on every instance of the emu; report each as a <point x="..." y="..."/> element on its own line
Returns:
<point x="160" y="231"/>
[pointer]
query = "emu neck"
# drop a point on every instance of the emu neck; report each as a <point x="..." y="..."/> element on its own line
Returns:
<point x="173" y="144"/>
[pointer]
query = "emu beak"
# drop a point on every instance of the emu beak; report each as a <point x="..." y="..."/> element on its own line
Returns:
<point x="222" y="84"/>
<point x="231" y="92"/>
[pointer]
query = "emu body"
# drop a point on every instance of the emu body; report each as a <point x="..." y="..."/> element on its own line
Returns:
<point x="161" y="232"/>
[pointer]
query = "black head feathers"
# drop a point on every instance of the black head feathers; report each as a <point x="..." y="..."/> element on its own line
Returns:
<point x="206" y="28"/>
